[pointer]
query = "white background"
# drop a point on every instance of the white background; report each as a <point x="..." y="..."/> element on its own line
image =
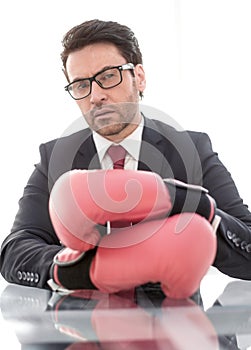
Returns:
<point x="197" y="57"/>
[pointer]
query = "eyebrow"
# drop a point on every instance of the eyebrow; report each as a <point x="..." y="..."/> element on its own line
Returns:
<point x="100" y="71"/>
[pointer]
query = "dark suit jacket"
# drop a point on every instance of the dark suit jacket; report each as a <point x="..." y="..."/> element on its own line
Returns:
<point x="28" y="251"/>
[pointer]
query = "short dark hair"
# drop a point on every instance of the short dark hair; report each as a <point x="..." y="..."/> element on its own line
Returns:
<point x="96" y="31"/>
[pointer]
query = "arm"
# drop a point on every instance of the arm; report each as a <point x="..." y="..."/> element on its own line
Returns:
<point x="234" y="232"/>
<point x="27" y="253"/>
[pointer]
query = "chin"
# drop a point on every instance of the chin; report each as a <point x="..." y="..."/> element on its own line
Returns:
<point x="110" y="130"/>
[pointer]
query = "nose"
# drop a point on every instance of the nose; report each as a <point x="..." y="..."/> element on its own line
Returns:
<point x="98" y="95"/>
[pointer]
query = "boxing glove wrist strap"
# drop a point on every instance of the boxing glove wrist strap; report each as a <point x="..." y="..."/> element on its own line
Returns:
<point x="74" y="273"/>
<point x="190" y="198"/>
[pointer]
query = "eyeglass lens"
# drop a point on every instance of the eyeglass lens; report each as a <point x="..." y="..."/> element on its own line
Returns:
<point x="106" y="79"/>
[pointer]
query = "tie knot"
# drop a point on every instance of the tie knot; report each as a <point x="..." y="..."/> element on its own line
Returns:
<point x="117" y="154"/>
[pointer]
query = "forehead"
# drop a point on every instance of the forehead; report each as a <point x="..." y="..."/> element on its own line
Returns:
<point x="91" y="59"/>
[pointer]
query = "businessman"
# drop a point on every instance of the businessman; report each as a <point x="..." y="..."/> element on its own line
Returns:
<point x="92" y="219"/>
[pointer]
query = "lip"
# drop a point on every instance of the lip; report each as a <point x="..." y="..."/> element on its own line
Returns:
<point x="102" y="113"/>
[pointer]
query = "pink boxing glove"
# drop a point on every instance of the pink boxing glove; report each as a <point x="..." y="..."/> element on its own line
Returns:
<point x="176" y="252"/>
<point x="81" y="200"/>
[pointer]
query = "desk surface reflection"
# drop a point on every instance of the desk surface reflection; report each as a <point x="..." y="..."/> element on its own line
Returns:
<point x="138" y="320"/>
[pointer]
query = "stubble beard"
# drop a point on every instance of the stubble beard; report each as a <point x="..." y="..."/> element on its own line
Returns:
<point x="111" y="128"/>
<point x="124" y="116"/>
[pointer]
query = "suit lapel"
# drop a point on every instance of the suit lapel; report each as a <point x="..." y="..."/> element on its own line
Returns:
<point x="87" y="157"/>
<point x="151" y="157"/>
<point x="152" y="152"/>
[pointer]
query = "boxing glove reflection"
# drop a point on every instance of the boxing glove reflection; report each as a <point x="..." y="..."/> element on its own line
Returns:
<point x="116" y="321"/>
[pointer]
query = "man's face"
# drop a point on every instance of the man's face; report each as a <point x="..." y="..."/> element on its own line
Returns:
<point x="113" y="113"/>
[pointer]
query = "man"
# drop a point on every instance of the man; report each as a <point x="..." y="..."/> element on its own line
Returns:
<point x="164" y="170"/>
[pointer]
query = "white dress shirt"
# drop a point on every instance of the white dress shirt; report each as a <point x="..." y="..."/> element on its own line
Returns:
<point x="131" y="144"/>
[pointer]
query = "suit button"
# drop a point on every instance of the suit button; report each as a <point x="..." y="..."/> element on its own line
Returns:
<point x="243" y="245"/>
<point x="24" y="276"/>
<point x="28" y="276"/>
<point x="230" y="235"/>
<point x="237" y="241"/>
<point x="36" y="277"/>
<point x="248" y="248"/>
<point x="32" y="277"/>
<point x="19" y="275"/>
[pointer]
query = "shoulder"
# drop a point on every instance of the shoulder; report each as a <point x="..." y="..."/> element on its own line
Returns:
<point x="61" y="154"/>
<point x="75" y="139"/>
<point x="172" y="131"/>
<point x="65" y="148"/>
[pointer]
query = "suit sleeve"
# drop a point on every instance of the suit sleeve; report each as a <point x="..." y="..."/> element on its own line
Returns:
<point x="234" y="233"/>
<point x="28" y="251"/>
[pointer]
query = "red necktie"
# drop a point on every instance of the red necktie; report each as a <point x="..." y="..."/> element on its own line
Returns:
<point x="117" y="154"/>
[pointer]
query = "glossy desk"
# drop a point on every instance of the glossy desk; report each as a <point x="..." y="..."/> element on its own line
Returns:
<point x="218" y="318"/>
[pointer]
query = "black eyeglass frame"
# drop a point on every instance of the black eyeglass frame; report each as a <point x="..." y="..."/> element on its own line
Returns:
<point x="126" y="66"/>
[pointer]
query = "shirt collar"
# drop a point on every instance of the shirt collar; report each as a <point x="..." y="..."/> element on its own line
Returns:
<point x="131" y="143"/>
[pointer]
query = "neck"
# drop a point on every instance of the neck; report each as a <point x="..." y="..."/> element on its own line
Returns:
<point x="126" y="131"/>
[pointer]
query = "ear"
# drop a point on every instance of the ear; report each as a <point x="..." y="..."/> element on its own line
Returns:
<point x="140" y="77"/>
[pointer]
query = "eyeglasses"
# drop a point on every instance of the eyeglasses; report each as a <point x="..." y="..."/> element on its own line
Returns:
<point x="106" y="79"/>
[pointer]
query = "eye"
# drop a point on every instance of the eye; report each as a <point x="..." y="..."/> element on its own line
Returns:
<point x="82" y="85"/>
<point x="108" y="77"/>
